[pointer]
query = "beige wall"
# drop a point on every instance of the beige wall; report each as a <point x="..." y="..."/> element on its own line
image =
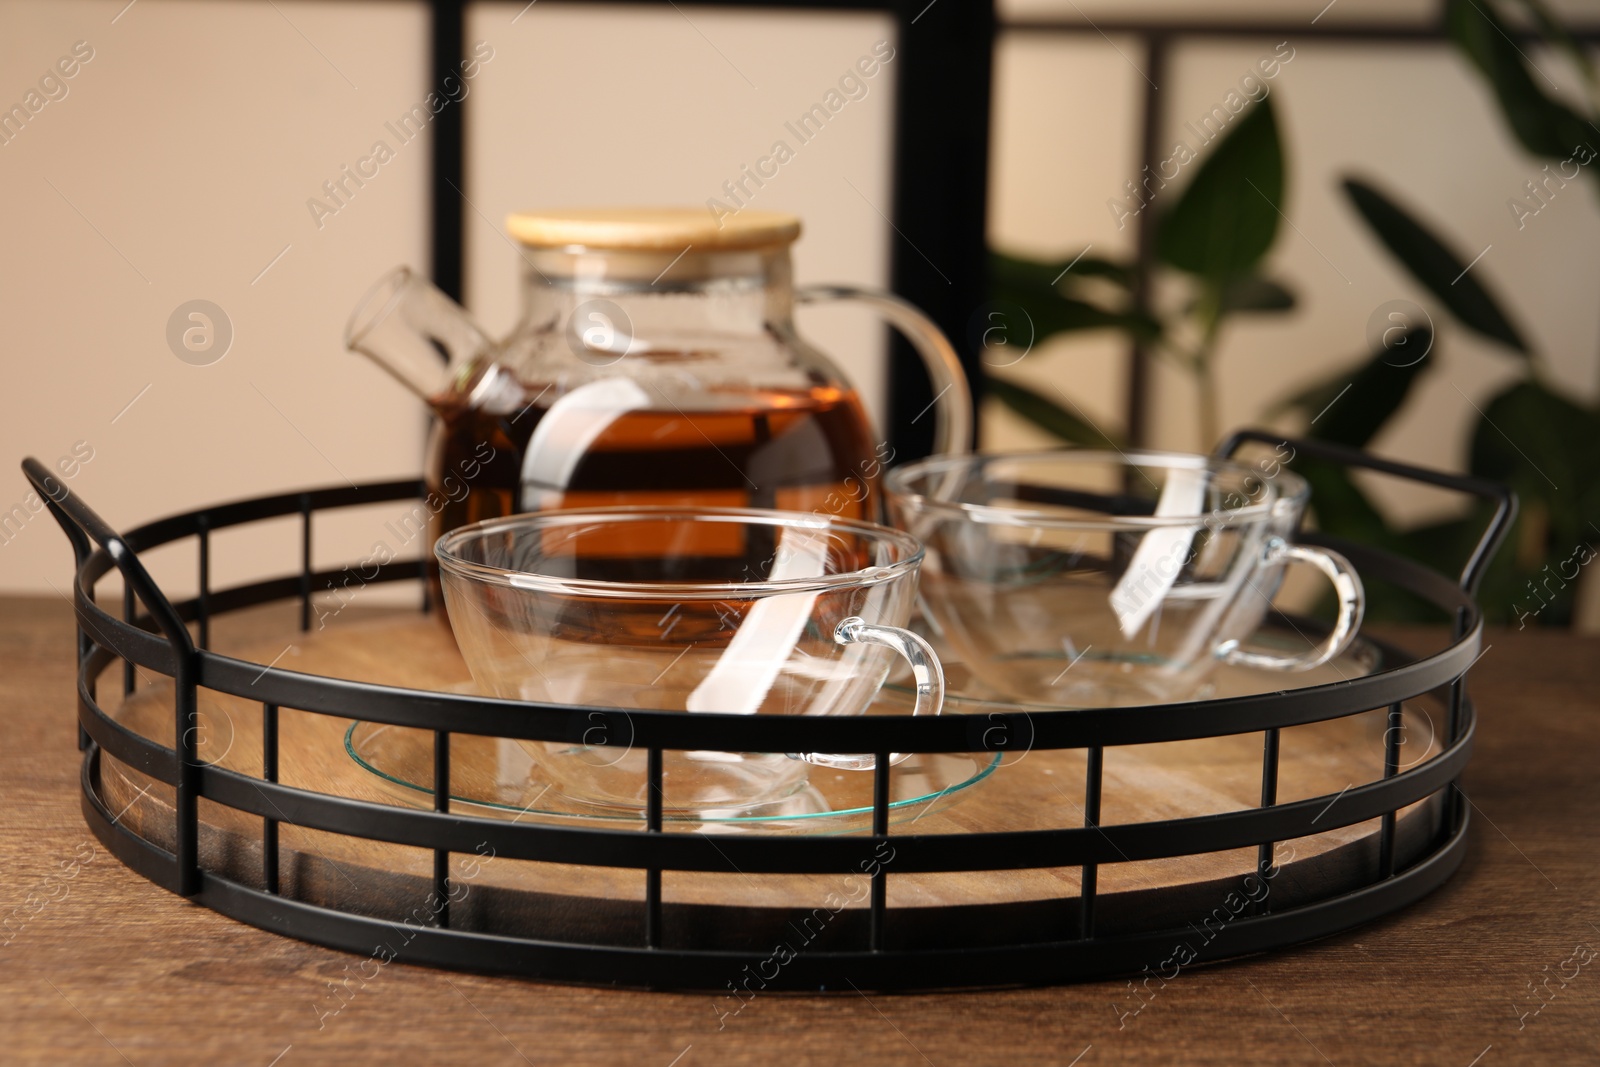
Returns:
<point x="191" y="143"/>
<point x="180" y="163"/>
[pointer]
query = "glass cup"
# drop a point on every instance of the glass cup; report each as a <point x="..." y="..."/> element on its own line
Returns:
<point x="1090" y="579"/>
<point x="734" y="610"/>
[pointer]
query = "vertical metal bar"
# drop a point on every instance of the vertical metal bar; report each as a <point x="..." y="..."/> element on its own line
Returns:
<point x="1094" y="777"/>
<point x="447" y="34"/>
<point x="81" y="551"/>
<point x="187" y="800"/>
<point x="1457" y="687"/>
<point x="1265" y="852"/>
<point x="1391" y="766"/>
<point x="269" y="772"/>
<point x="427" y="586"/>
<point x="652" y="876"/>
<point x="937" y="238"/>
<point x="878" y="918"/>
<point x="305" y="562"/>
<point x="1139" y="357"/>
<point x="1458" y="692"/>
<point x="447" y="182"/>
<point x="441" y="803"/>
<point x="203" y="601"/>
<point x="130" y="611"/>
<point x="81" y="643"/>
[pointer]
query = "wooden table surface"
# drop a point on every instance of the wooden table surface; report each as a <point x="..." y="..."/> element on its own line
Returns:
<point x="98" y="966"/>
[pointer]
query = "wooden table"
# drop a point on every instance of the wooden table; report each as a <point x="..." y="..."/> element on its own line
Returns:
<point x="99" y="966"/>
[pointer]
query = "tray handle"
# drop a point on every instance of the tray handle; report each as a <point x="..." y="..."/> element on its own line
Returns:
<point x="85" y="528"/>
<point x="1504" y="499"/>
<point x="82" y="526"/>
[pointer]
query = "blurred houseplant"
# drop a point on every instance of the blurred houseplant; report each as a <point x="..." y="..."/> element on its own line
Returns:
<point x="1215" y="237"/>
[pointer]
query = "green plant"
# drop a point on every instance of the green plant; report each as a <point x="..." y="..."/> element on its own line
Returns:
<point x="1532" y="436"/>
<point x="1214" y="238"/>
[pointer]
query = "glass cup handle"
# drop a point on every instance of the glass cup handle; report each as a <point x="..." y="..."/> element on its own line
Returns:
<point x="925" y="671"/>
<point x="953" y="426"/>
<point x="1352" y="603"/>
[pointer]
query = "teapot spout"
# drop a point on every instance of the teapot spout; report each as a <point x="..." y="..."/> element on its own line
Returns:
<point x="423" y="338"/>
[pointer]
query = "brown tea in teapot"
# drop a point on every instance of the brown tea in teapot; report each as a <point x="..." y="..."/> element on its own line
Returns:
<point x="795" y="450"/>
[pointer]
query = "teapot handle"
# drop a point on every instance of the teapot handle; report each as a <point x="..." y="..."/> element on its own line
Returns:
<point x="952" y="432"/>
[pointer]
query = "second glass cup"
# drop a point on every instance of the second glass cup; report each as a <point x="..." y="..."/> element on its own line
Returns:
<point x="733" y="610"/>
<point x="1090" y="579"/>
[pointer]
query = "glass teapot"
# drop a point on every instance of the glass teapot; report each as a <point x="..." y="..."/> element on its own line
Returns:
<point x="655" y="362"/>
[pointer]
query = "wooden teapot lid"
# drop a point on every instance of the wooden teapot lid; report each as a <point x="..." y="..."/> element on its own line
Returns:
<point x="658" y="229"/>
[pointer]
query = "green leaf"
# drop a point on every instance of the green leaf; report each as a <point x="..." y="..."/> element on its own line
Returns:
<point x="1505" y="594"/>
<point x="1059" y="314"/>
<point x="1255" y="293"/>
<point x="1341" y="508"/>
<point x="1546" y="447"/>
<point x="1095" y="267"/>
<point x="1016" y="271"/>
<point x="1446" y="546"/>
<point x="1433" y="264"/>
<point x="1048" y="415"/>
<point x="1352" y="406"/>
<point x="1349" y="409"/>
<point x="1559" y="36"/>
<point x="1546" y="127"/>
<point x="1227" y="217"/>
<point x="1030" y="285"/>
